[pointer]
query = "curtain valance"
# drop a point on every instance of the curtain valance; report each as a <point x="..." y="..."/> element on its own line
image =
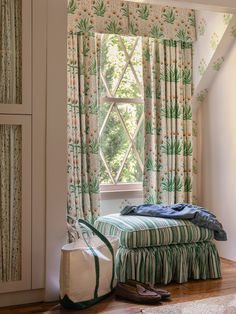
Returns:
<point x="131" y="18"/>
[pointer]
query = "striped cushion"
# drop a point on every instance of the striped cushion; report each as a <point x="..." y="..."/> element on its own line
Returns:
<point x="140" y="231"/>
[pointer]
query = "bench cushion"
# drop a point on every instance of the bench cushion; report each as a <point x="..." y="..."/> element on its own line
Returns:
<point x="142" y="231"/>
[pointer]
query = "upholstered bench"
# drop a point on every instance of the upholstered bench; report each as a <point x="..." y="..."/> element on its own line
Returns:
<point x="160" y="250"/>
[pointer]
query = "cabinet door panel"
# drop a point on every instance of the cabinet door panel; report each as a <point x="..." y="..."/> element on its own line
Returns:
<point x="15" y="203"/>
<point x="15" y="56"/>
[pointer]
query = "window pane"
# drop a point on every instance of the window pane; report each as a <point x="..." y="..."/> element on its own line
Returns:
<point x="10" y="51"/>
<point x="129" y="42"/>
<point x="114" y="143"/>
<point x="137" y="61"/>
<point x="128" y="87"/>
<point x="112" y="61"/>
<point x="131" y="171"/>
<point x="104" y="176"/>
<point x="121" y="68"/>
<point x="131" y="114"/>
<point x="139" y="141"/>
<point x="104" y="107"/>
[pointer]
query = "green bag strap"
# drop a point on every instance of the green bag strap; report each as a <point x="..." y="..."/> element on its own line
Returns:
<point x="97" y="269"/>
<point x="106" y="242"/>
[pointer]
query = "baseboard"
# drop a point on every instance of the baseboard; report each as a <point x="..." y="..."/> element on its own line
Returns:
<point x="21" y="297"/>
<point x="227" y="259"/>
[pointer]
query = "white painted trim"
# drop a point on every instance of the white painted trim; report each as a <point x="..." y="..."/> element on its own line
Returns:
<point x="56" y="143"/>
<point x="25" y="107"/>
<point x="121" y="195"/>
<point x="25" y="282"/>
<point x="39" y="52"/>
<point x="119" y="187"/>
<point x="26" y="56"/>
<point x="21" y="297"/>
<point x="121" y="190"/>
<point x="122" y="100"/>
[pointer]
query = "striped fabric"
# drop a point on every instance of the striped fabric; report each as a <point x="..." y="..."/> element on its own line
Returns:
<point x="140" y="231"/>
<point x="164" y="264"/>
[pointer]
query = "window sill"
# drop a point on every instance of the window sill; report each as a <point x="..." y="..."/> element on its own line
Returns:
<point x="121" y="191"/>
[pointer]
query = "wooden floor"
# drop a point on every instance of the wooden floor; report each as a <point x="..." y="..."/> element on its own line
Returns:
<point x="193" y="290"/>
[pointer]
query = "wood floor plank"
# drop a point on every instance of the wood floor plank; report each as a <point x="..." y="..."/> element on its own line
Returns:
<point x="192" y="290"/>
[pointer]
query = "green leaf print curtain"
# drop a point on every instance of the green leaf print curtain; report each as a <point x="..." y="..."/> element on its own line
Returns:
<point x="83" y="159"/>
<point x="167" y="72"/>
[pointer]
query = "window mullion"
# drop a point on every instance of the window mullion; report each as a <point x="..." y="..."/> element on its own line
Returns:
<point x="123" y="124"/>
<point x="138" y="126"/>
<point x="123" y="162"/>
<point x="128" y="58"/>
<point x="133" y="144"/>
<point x="122" y="75"/>
<point x="106" y="86"/>
<point x="106" y="166"/>
<point x="138" y="158"/>
<point x="122" y="100"/>
<point x="106" y="118"/>
<point x="129" y="138"/>
<point x="130" y="62"/>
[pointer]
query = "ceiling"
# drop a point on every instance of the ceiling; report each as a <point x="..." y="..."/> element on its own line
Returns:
<point x="228" y="6"/>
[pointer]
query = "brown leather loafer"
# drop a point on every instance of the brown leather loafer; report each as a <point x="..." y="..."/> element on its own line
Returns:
<point x="163" y="293"/>
<point x="136" y="293"/>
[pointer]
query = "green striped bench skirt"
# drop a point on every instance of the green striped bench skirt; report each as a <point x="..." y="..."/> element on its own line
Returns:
<point x="164" y="264"/>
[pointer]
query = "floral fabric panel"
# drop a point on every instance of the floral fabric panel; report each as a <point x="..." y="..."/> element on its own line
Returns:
<point x="131" y="18"/>
<point x="168" y="147"/>
<point x="82" y="127"/>
<point x="10" y="202"/>
<point x="161" y="22"/>
<point x="10" y="52"/>
<point x="109" y="16"/>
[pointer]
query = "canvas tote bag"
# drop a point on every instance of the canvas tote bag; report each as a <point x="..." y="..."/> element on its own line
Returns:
<point x="87" y="272"/>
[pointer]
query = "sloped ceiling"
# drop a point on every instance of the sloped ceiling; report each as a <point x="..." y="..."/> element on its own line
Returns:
<point x="215" y="34"/>
<point x="211" y="5"/>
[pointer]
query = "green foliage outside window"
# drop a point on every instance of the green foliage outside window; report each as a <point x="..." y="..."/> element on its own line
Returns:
<point x="124" y="117"/>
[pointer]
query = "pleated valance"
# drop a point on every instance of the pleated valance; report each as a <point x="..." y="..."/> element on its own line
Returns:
<point x="131" y="18"/>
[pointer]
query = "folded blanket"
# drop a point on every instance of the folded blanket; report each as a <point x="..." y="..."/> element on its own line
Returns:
<point x="197" y="215"/>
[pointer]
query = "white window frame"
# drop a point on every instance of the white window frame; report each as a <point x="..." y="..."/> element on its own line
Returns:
<point x="117" y="189"/>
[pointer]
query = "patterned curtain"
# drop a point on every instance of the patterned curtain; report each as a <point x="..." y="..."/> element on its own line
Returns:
<point x="10" y="202"/>
<point x="167" y="72"/>
<point x="10" y="51"/>
<point x="83" y="149"/>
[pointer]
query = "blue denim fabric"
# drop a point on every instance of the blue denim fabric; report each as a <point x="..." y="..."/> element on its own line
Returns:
<point x="196" y="214"/>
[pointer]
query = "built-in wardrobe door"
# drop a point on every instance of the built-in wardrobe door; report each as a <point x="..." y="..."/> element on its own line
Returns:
<point x="15" y="56"/>
<point x="15" y="145"/>
<point x="15" y="203"/>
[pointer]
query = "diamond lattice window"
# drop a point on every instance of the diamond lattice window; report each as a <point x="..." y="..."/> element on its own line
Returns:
<point x="121" y="109"/>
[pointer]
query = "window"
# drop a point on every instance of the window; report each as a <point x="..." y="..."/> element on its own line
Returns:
<point x="121" y="110"/>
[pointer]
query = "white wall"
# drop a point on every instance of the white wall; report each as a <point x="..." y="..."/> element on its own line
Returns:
<point x="218" y="136"/>
<point x="111" y="206"/>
